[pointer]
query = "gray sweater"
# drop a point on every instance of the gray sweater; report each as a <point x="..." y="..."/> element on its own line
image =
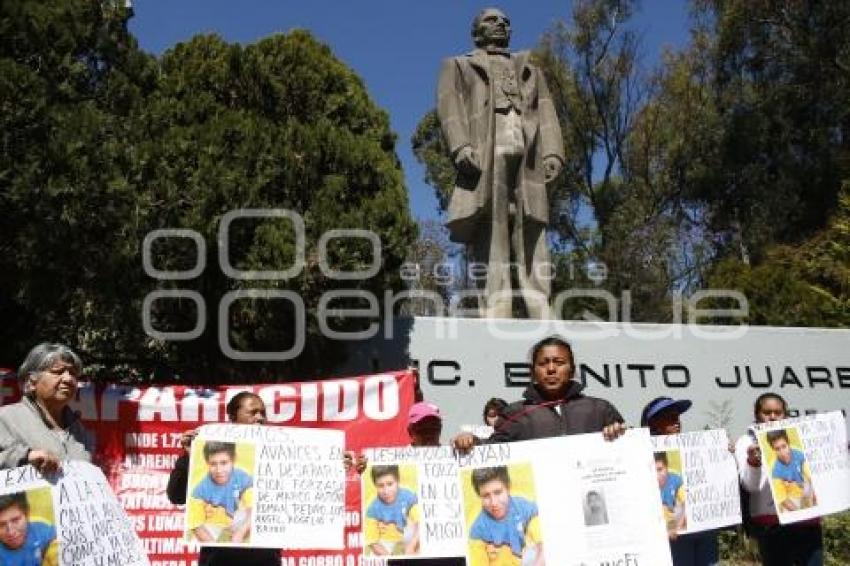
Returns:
<point x="24" y="428"/>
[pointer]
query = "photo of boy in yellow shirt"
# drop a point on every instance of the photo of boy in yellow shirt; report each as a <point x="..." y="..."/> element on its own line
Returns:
<point x="506" y="530"/>
<point x="391" y="526"/>
<point x="790" y="474"/>
<point x="672" y="490"/>
<point x="220" y="503"/>
<point x="25" y="540"/>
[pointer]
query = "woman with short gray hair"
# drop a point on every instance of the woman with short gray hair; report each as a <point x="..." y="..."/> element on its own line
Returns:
<point x="41" y="429"/>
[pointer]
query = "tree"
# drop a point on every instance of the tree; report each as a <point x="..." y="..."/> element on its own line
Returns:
<point x="210" y="128"/>
<point x="431" y="150"/>
<point x="802" y="285"/>
<point x="432" y="271"/>
<point x="70" y="78"/>
<point x="780" y="81"/>
<point x="280" y="124"/>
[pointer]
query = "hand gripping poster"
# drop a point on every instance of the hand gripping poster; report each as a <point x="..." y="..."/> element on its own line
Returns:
<point x="268" y="487"/>
<point x="567" y="501"/>
<point x="70" y="518"/>
<point x="697" y="481"/>
<point x="807" y="463"/>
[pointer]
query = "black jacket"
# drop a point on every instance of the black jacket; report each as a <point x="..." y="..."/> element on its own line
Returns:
<point x="534" y="417"/>
<point x="216" y="556"/>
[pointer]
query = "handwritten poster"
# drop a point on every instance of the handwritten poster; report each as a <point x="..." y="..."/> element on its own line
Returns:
<point x="808" y="463"/>
<point x="70" y="518"/>
<point x="411" y="503"/>
<point x="262" y="486"/>
<point x="697" y="481"/>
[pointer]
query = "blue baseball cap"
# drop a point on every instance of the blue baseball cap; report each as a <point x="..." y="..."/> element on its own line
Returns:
<point x="659" y="404"/>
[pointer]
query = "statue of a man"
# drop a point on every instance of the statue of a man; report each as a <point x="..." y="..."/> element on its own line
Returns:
<point x="503" y="133"/>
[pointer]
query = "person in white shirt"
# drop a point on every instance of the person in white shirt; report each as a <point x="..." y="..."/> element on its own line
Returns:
<point x="779" y="545"/>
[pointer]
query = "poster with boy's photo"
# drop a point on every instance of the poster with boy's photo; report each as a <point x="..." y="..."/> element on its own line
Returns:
<point x="567" y="501"/>
<point x="391" y="510"/>
<point x="697" y="481"/>
<point x="254" y="486"/>
<point x="28" y="528"/>
<point x="502" y="517"/>
<point x="807" y="465"/>
<point x="412" y="510"/>
<point x="68" y="518"/>
<point x="221" y="492"/>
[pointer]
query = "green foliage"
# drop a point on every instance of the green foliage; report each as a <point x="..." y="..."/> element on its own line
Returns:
<point x="836" y="539"/>
<point x="616" y="202"/>
<point x="739" y="550"/>
<point x="430" y="267"/>
<point x="140" y="145"/>
<point x="780" y="82"/>
<point x="70" y="78"/>
<point x="278" y="124"/>
<point x="805" y="285"/>
<point x="431" y="150"/>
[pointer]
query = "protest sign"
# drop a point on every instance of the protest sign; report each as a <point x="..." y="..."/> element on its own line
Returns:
<point x="263" y="486"/>
<point x="808" y="465"/>
<point x="71" y="518"/>
<point x="602" y="494"/>
<point x="138" y="433"/>
<point x="698" y="481"/>
<point x="411" y="503"/>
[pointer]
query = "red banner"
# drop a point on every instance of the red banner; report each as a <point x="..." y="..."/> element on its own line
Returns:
<point x="138" y="440"/>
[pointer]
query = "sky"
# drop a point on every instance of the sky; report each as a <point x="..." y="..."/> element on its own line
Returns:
<point x="395" y="46"/>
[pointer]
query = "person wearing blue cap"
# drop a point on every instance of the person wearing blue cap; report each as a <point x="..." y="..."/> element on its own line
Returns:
<point x="661" y="416"/>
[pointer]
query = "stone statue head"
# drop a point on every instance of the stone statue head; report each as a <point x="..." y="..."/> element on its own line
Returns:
<point x="491" y="27"/>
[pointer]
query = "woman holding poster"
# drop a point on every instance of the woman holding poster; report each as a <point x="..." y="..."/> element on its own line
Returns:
<point x="661" y="415"/>
<point x="779" y="545"/>
<point x="244" y="408"/>
<point x="41" y="429"/>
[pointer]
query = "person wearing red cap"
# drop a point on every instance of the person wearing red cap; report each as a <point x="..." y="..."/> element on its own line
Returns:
<point x="661" y="416"/>
<point x="424" y="424"/>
